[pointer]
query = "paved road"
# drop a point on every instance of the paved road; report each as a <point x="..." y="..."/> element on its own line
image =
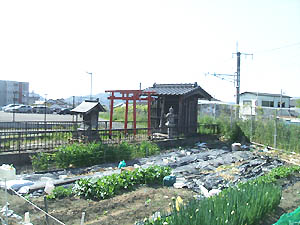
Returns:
<point x="8" y="117"/>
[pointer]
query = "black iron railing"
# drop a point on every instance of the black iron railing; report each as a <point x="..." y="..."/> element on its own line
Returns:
<point x="38" y="136"/>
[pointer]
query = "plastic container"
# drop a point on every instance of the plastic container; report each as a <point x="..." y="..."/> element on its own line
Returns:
<point x="7" y="172"/>
<point x="122" y="164"/>
<point x="169" y="181"/>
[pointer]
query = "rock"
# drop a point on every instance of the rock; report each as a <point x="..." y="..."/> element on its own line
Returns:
<point x="212" y="181"/>
<point x="201" y="145"/>
<point x="236" y="147"/>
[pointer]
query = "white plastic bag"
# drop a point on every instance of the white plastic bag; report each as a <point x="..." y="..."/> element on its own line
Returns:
<point x="49" y="187"/>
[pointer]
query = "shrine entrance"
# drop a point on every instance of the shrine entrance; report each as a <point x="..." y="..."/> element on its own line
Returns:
<point x="134" y="96"/>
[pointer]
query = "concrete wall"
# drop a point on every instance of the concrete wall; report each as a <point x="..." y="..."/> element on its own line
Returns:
<point x="16" y="159"/>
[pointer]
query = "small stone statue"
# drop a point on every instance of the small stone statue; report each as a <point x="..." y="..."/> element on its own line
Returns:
<point x="170" y="122"/>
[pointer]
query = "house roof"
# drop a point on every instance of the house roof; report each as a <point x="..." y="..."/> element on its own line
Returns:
<point x="265" y="94"/>
<point x="87" y="106"/>
<point x="178" y="89"/>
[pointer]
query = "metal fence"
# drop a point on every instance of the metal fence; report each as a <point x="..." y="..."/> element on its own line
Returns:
<point x="61" y="125"/>
<point x="18" y="141"/>
<point x="40" y="136"/>
<point x="276" y="127"/>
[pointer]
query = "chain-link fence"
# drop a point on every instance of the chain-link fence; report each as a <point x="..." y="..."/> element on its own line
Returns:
<point x="276" y="127"/>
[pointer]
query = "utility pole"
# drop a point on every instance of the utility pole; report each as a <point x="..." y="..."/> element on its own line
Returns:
<point x="45" y="105"/>
<point x="14" y="100"/>
<point x="73" y="106"/>
<point x="231" y="77"/>
<point x="238" y="74"/>
<point x="91" y="84"/>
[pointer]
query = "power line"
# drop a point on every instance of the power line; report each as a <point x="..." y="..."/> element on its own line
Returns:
<point x="278" y="48"/>
<point x="222" y="76"/>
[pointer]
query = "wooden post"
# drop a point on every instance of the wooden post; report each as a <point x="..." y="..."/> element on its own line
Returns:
<point x="82" y="218"/>
<point x="149" y="115"/>
<point x="46" y="210"/>
<point x="111" y="112"/>
<point x="134" y="115"/>
<point x="126" y="115"/>
<point x="162" y="113"/>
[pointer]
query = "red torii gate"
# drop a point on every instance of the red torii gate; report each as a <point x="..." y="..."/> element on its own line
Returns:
<point x="127" y="95"/>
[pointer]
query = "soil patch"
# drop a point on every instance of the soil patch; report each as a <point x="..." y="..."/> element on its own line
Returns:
<point x="123" y="209"/>
<point x="133" y="206"/>
<point x="290" y="200"/>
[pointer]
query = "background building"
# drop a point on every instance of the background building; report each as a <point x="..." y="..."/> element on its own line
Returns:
<point x="264" y="100"/>
<point x="13" y="92"/>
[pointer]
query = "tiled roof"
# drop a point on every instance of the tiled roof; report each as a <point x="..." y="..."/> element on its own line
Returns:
<point x="87" y="106"/>
<point x="177" y="89"/>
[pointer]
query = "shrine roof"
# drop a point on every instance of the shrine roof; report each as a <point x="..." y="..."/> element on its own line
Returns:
<point x="179" y="89"/>
<point x="87" y="106"/>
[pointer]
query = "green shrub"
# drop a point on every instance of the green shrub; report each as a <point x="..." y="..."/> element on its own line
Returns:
<point x="81" y="155"/>
<point x="259" y="130"/>
<point x="42" y="161"/>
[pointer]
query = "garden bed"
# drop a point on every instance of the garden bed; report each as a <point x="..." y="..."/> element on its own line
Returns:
<point x="213" y="168"/>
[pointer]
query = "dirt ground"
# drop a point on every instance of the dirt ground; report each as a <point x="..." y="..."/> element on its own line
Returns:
<point x="290" y="201"/>
<point x="129" y="207"/>
<point x="123" y="209"/>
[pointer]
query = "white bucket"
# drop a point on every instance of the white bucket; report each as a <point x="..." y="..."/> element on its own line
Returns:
<point x="7" y="172"/>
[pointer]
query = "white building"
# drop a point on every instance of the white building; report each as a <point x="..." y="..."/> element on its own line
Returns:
<point x="264" y="100"/>
<point x="13" y="92"/>
<point x="249" y="101"/>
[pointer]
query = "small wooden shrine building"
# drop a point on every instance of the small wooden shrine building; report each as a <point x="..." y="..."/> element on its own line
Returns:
<point x="89" y="110"/>
<point x="183" y="98"/>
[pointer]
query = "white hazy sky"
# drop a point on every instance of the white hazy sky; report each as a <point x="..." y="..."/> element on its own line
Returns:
<point x="51" y="44"/>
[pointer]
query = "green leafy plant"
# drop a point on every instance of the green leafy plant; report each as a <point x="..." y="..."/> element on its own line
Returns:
<point x="108" y="186"/>
<point x="60" y="192"/>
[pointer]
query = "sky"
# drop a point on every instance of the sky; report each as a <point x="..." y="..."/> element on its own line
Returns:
<point x="54" y="44"/>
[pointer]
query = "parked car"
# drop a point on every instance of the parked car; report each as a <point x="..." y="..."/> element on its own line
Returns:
<point x="64" y="111"/>
<point x="8" y="107"/>
<point x="41" y="109"/>
<point x="22" y="109"/>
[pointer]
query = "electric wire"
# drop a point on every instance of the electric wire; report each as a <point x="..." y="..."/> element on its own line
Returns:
<point x="278" y="48"/>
